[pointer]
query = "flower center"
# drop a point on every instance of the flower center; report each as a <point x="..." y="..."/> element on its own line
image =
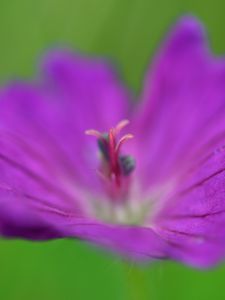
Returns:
<point x="115" y="168"/>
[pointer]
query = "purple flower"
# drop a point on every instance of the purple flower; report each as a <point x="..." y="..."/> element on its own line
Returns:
<point x="150" y="189"/>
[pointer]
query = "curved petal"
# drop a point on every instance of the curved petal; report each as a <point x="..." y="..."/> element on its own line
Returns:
<point x="17" y="220"/>
<point x="193" y="219"/>
<point x="78" y="93"/>
<point x="89" y="95"/>
<point x="27" y="177"/>
<point x="183" y="99"/>
<point x="88" y="88"/>
<point x="23" y="215"/>
<point x="44" y="153"/>
<point x="136" y="243"/>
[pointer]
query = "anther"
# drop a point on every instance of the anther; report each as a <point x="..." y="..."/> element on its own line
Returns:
<point x="103" y="145"/>
<point x="127" y="164"/>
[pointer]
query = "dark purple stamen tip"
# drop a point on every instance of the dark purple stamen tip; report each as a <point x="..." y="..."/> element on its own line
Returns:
<point x="127" y="164"/>
<point x="103" y="145"/>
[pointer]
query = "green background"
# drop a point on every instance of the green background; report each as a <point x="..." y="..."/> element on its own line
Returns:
<point x="127" y="31"/>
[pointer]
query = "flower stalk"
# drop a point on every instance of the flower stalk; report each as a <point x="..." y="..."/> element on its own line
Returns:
<point x="136" y="282"/>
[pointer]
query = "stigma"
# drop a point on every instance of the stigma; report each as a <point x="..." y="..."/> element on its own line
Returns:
<point x="114" y="167"/>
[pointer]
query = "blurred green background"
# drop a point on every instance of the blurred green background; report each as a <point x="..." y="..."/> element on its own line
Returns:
<point x="127" y="31"/>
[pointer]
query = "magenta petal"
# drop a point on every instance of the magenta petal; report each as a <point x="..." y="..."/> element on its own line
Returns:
<point x="44" y="153"/>
<point x="183" y="95"/>
<point x="18" y="220"/>
<point x="91" y="97"/>
<point x="138" y="243"/>
<point x="26" y="179"/>
<point x="33" y="126"/>
<point x="193" y="221"/>
<point x="88" y="88"/>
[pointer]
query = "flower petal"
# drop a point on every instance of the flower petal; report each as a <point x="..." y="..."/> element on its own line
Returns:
<point x="88" y="88"/>
<point x="18" y="220"/>
<point x="133" y="242"/>
<point x="44" y="153"/>
<point x="28" y="178"/>
<point x="183" y="98"/>
<point x="91" y="97"/>
<point x="193" y="219"/>
<point x="33" y="131"/>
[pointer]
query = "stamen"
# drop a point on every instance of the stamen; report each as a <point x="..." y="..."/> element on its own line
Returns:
<point x="123" y="139"/>
<point x="112" y="152"/>
<point x="121" y="125"/>
<point x="93" y="132"/>
<point x="113" y="165"/>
